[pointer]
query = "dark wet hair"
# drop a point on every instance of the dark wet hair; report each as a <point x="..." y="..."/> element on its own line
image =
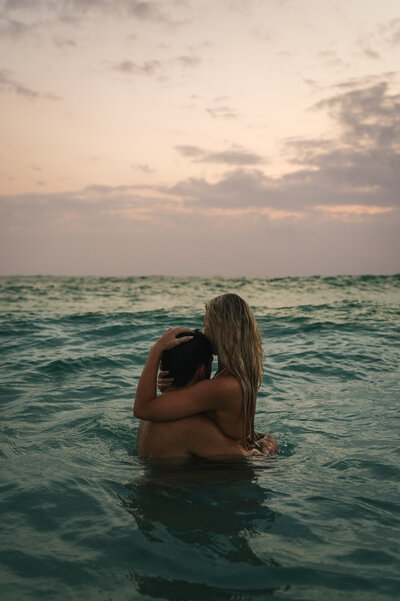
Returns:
<point x="183" y="360"/>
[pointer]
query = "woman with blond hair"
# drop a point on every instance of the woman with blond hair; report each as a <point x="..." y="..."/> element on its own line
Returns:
<point x="229" y="398"/>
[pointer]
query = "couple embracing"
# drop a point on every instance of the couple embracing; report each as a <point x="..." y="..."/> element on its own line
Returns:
<point x="197" y="415"/>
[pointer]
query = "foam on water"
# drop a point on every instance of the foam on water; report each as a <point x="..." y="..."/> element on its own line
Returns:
<point x="84" y="517"/>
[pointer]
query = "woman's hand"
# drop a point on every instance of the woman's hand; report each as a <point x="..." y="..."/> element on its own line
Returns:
<point x="268" y="444"/>
<point x="169" y="339"/>
<point x="163" y="381"/>
<point x="264" y="444"/>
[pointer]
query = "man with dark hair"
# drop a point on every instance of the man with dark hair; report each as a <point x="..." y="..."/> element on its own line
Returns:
<point x="188" y="361"/>
<point x="197" y="435"/>
<point x="192" y="436"/>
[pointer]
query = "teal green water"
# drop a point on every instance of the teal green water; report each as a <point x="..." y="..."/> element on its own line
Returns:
<point x="83" y="517"/>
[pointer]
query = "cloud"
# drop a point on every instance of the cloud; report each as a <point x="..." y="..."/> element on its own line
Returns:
<point x="385" y="37"/>
<point x="358" y="210"/>
<point x="85" y="209"/>
<point x="64" y="43"/>
<point x="367" y="81"/>
<point x="155" y="67"/>
<point x="368" y="116"/>
<point x="234" y="156"/>
<point x="368" y="46"/>
<point x="144" y="167"/>
<point x="73" y="12"/>
<point x="362" y="164"/>
<point x="243" y="7"/>
<point x="222" y="112"/>
<point x="21" y="4"/>
<point x="370" y="53"/>
<point x="391" y="32"/>
<point x="331" y="59"/>
<point x="121" y="208"/>
<point x="262" y="35"/>
<point x="358" y="169"/>
<point x="240" y="195"/>
<point x="9" y="84"/>
<point x="95" y="190"/>
<point x="354" y="175"/>
<point x="188" y="61"/>
<point x="245" y="223"/>
<point x="23" y="18"/>
<point x="13" y="29"/>
<point x="144" y="11"/>
<point x="147" y="11"/>
<point x="151" y="67"/>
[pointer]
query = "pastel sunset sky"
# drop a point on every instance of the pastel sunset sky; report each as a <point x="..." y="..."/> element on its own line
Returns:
<point x="199" y="137"/>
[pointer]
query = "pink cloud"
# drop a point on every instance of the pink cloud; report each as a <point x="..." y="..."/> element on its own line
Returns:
<point x="347" y="211"/>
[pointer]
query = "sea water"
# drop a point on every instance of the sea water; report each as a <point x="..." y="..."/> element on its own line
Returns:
<point x="83" y="517"/>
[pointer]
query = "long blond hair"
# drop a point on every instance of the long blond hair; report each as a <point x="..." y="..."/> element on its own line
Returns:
<point x="237" y="342"/>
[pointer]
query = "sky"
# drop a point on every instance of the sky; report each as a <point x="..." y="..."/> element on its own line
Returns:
<point x="199" y="137"/>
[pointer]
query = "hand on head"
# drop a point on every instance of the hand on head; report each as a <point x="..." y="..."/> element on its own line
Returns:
<point x="186" y="363"/>
<point x="173" y="337"/>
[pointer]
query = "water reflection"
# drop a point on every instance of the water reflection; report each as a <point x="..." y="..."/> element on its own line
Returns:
<point x="196" y="524"/>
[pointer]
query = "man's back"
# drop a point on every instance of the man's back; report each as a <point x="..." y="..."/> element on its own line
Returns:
<point x="193" y="436"/>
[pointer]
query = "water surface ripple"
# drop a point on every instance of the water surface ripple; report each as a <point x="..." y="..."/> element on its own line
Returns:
<point x="85" y="518"/>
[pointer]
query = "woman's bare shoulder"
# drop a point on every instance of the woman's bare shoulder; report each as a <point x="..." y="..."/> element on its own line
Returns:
<point x="228" y="381"/>
<point x="224" y="383"/>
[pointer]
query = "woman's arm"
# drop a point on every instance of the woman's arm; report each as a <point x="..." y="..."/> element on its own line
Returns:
<point x="147" y="389"/>
<point x="206" y="395"/>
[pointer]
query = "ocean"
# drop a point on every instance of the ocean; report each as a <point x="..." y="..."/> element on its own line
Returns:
<point x="83" y="517"/>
